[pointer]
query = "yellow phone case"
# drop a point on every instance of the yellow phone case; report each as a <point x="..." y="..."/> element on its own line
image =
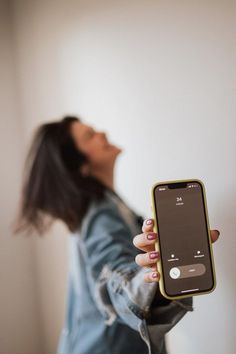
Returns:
<point x="159" y="263"/>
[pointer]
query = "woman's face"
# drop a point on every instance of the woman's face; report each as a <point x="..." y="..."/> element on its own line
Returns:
<point x="94" y="145"/>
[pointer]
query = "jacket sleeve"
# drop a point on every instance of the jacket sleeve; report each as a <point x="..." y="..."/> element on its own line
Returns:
<point x="116" y="281"/>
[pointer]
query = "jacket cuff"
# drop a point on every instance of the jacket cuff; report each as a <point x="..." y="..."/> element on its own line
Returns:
<point x="123" y="295"/>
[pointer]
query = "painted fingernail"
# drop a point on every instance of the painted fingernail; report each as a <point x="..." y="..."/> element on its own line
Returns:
<point x="218" y="232"/>
<point x="153" y="255"/>
<point x="155" y="275"/>
<point x="149" y="221"/>
<point x="151" y="236"/>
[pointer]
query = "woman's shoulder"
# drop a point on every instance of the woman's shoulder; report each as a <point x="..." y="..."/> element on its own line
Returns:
<point x="112" y="210"/>
<point x="107" y="203"/>
<point x="106" y="206"/>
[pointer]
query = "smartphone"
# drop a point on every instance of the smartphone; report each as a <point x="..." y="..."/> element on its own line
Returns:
<point x="186" y="262"/>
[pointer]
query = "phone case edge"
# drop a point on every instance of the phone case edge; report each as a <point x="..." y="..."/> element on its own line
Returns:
<point x="159" y="265"/>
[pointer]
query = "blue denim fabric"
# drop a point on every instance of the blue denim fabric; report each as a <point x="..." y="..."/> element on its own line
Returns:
<point x="110" y="309"/>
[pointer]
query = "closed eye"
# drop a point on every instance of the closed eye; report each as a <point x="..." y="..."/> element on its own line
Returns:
<point x="89" y="134"/>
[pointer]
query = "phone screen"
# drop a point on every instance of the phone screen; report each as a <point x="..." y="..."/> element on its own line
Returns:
<point x="183" y="238"/>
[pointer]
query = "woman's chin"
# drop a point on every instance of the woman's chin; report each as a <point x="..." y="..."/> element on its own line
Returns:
<point x="118" y="150"/>
<point x="115" y="148"/>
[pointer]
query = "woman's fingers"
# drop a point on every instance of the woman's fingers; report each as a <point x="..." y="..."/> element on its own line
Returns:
<point x="148" y="225"/>
<point x="145" y="241"/>
<point x="152" y="276"/>
<point x="147" y="259"/>
<point x="214" y="235"/>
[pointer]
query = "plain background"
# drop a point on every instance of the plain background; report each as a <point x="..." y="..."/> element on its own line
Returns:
<point x="159" y="77"/>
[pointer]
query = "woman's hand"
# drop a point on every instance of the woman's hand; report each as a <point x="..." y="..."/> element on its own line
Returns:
<point x="146" y="242"/>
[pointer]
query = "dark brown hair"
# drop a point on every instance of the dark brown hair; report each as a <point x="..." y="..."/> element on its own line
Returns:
<point x="53" y="187"/>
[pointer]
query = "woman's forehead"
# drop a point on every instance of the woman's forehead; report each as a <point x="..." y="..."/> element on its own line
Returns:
<point x="79" y="128"/>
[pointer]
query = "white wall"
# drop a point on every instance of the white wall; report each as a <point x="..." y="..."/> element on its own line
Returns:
<point x="19" y="320"/>
<point x="160" y="77"/>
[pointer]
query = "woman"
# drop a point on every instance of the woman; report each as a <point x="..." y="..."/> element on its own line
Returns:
<point x="113" y="303"/>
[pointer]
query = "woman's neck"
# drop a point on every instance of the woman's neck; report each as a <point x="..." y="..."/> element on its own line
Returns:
<point x="106" y="177"/>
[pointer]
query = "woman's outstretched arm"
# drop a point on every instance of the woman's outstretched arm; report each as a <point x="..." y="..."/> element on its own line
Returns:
<point x="122" y="288"/>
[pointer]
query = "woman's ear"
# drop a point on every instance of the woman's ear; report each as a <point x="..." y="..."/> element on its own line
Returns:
<point x="85" y="170"/>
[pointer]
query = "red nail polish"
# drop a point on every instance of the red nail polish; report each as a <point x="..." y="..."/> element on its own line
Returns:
<point x="151" y="236"/>
<point x="154" y="255"/>
<point x="155" y="275"/>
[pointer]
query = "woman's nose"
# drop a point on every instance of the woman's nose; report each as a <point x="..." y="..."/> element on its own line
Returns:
<point x="103" y="134"/>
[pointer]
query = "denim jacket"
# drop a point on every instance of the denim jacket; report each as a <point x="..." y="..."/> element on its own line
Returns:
<point x="110" y="309"/>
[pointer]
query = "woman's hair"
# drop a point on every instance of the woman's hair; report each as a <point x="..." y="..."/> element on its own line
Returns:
<point x="53" y="186"/>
